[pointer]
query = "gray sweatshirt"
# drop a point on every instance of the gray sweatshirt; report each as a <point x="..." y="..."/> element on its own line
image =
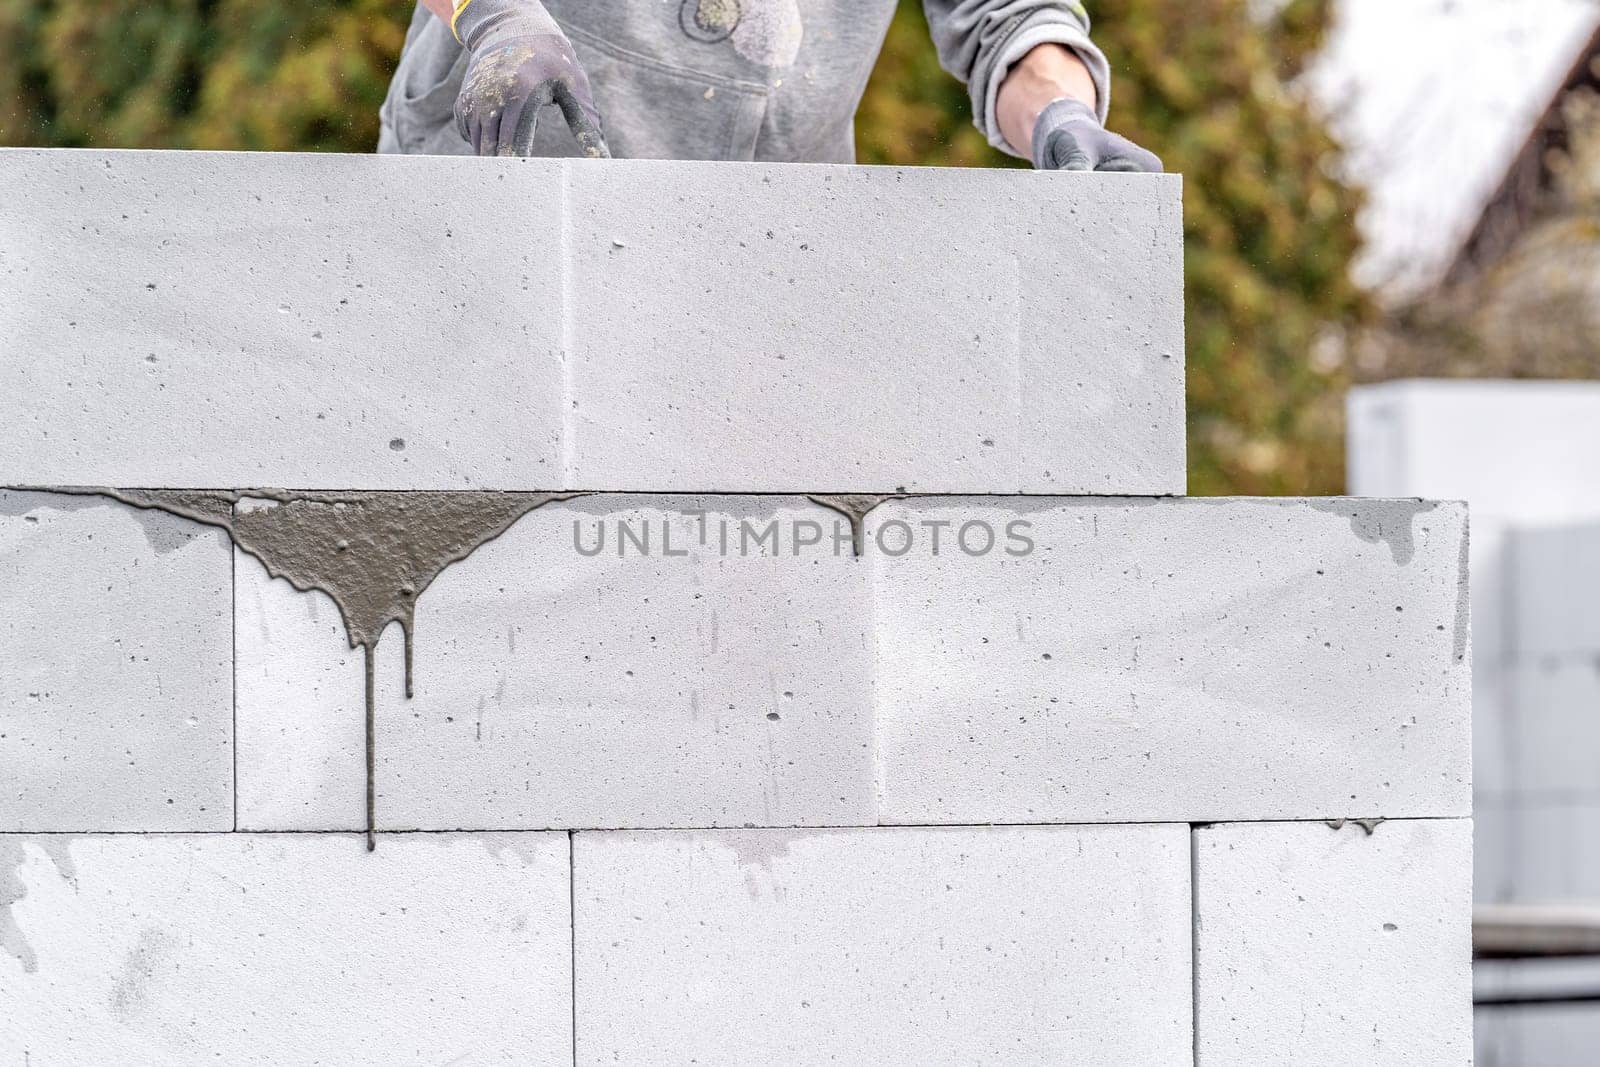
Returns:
<point x="733" y="79"/>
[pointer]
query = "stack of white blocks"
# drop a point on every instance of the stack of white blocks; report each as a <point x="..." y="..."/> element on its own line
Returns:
<point x="1089" y="803"/>
<point x="1522" y="453"/>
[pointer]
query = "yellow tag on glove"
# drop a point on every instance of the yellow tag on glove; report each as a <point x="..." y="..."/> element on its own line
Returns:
<point x="456" y="17"/>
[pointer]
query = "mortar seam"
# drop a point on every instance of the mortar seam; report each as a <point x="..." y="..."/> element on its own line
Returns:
<point x="738" y="829"/>
<point x="572" y="929"/>
<point x="1194" y="943"/>
<point x="233" y="667"/>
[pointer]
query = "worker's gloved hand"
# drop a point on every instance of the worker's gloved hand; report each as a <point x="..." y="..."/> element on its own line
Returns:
<point x="1068" y="136"/>
<point x="519" y="63"/>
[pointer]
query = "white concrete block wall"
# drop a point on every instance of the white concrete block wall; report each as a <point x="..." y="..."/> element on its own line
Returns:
<point x="1040" y="945"/>
<point x="195" y="307"/>
<point x="273" y="949"/>
<point x="817" y="328"/>
<point x="554" y="689"/>
<point x="1318" y="945"/>
<point x="116" y="668"/>
<point x="1077" y="683"/>
<point x="644" y="325"/>
<point x="1198" y="660"/>
<point x="1521" y="455"/>
<point x="723" y="735"/>
<point x="298" y="707"/>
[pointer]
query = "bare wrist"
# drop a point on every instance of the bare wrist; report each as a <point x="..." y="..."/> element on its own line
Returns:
<point x="1047" y="72"/>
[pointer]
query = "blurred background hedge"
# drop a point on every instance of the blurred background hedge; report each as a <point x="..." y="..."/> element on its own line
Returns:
<point x="1208" y="84"/>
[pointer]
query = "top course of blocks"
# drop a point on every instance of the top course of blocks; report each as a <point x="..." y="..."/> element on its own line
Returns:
<point x="226" y="320"/>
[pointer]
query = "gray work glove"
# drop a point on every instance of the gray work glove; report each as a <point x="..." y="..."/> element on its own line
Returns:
<point x="1068" y="136"/>
<point x="520" y="62"/>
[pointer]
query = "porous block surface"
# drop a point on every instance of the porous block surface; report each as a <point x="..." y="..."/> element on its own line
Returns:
<point x="210" y="320"/>
<point x="116" y="661"/>
<point x="1033" y="945"/>
<point x="757" y="329"/>
<point x="1136" y="660"/>
<point x="1155" y="660"/>
<point x="300" y="725"/>
<point x="274" y="949"/>
<point x="1318" y="945"/>
<point x="221" y="320"/>
<point x="556" y="688"/>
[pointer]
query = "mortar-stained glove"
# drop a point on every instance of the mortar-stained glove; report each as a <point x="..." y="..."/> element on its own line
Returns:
<point x="519" y="63"/>
<point x="1068" y="136"/>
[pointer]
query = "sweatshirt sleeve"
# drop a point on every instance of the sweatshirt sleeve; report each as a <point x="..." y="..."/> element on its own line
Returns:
<point x="979" y="40"/>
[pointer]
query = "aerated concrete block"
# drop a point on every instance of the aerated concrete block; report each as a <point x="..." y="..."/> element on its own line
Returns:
<point x="301" y="711"/>
<point x="1012" y="945"/>
<point x="1322" y="946"/>
<point x="116" y="701"/>
<point x="555" y="689"/>
<point x="303" y="948"/>
<point x="1518" y="450"/>
<point x="1554" y="586"/>
<point x="202" y="320"/>
<point x="1192" y="660"/>
<point x="1134" y="661"/>
<point x="1556" y="714"/>
<point x="773" y="328"/>
<point x="228" y="320"/>
<point x="1552" y="849"/>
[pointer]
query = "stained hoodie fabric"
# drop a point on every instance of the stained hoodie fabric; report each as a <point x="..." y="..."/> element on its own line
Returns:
<point x="775" y="80"/>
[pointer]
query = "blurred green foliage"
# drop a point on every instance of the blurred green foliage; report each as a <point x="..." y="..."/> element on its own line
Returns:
<point x="225" y="74"/>
<point x="1208" y="84"/>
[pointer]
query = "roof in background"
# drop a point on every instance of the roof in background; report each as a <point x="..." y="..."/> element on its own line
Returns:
<point x="1435" y="98"/>
<point x="1515" y="203"/>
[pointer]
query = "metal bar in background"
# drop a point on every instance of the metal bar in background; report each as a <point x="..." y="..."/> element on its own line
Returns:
<point x="1524" y="931"/>
<point x="1516" y="1000"/>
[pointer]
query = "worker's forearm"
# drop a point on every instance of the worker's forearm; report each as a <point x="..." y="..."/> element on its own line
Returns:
<point x="442" y="8"/>
<point x="1048" y="72"/>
